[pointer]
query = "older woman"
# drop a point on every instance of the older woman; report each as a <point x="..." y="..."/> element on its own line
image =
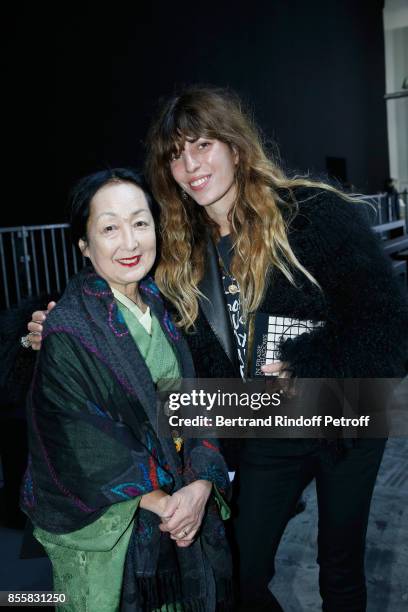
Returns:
<point x="100" y="482"/>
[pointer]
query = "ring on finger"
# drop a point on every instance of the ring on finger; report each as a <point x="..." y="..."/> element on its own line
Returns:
<point x="183" y="533"/>
<point x="25" y="341"/>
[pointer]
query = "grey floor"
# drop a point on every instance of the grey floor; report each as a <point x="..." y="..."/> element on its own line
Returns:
<point x="295" y="583"/>
<point x="21" y="574"/>
<point x="296" y="580"/>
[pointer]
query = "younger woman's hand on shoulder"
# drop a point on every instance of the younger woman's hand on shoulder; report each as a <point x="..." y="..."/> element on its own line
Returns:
<point x="35" y="326"/>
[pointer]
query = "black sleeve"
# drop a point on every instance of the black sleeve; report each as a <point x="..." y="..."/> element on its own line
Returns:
<point x="367" y="326"/>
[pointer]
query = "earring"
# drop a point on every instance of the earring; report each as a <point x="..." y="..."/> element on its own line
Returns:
<point x="184" y="195"/>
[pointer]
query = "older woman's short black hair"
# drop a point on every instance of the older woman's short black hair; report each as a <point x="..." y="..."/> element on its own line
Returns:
<point x="83" y="192"/>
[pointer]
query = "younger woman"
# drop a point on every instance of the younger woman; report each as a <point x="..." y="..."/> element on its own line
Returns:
<point x="240" y="237"/>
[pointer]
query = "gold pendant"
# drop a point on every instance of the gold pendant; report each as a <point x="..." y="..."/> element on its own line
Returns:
<point x="233" y="289"/>
<point x="178" y="440"/>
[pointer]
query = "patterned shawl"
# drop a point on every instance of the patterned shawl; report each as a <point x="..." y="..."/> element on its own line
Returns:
<point x="94" y="442"/>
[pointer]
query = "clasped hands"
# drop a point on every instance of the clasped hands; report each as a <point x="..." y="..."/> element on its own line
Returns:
<point x="181" y="513"/>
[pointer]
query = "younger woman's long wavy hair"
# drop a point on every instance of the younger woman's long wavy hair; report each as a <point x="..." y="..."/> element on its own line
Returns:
<point x="258" y="225"/>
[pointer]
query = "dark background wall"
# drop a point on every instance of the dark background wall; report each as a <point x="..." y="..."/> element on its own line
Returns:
<point x="80" y="86"/>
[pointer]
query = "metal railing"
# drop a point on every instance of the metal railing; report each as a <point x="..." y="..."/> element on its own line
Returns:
<point x="388" y="207"/>
<point x="36" y="260"/>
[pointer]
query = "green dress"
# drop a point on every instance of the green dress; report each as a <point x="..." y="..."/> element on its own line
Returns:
<point x="88" y="563"/>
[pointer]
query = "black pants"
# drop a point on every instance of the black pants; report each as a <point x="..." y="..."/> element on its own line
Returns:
<point x="269" y="484"/>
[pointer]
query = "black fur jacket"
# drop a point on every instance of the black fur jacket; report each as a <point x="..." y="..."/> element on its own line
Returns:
<point x="365" y="314"/>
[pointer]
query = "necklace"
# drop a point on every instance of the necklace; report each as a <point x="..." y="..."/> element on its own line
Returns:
<point x="233" y="289"/>
<point x="230" y="285"/>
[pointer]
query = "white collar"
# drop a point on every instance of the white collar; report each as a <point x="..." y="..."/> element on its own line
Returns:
<point x="144" y="318"/>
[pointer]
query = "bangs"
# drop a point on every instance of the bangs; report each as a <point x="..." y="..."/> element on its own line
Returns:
<point x="179" y="125"/>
